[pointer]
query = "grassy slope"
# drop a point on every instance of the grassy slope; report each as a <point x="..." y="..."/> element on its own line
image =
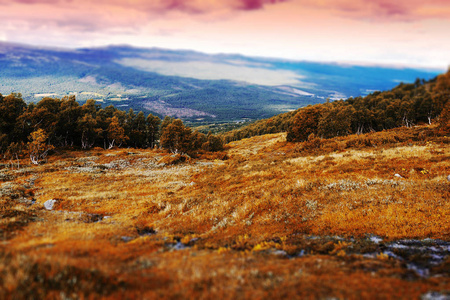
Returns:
<point x="233" y="216"/>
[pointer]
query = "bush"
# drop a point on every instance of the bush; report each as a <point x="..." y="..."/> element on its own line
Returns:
<point x="304" y="123"/>
<point x="444" y="120"/>
<point x="174" y="159"/>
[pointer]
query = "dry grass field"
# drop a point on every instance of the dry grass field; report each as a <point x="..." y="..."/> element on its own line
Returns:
<point x="349" y="218"/>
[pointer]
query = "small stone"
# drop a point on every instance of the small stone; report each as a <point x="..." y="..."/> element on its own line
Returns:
<point x="448" y="177"/>
<point x="179" y="246"/>
<point x="49" y="204"/>
<point x="398" y="175"/>
<point x="375" y="239"/>
<point x="435" y="296"/>
<point x="126" y="239"/>
<point x="279" y="253"/>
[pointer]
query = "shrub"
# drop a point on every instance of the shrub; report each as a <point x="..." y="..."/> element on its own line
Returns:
<point x="174" y="159"/>
<point x="444" y="120"/>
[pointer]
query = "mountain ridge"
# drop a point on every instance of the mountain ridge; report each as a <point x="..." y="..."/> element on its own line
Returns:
<point x="219" y="85"/>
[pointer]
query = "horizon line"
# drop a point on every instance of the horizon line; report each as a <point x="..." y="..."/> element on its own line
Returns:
<point x="344" y="63"/>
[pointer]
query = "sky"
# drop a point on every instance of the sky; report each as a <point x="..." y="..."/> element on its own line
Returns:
<point x="365" y="32"/>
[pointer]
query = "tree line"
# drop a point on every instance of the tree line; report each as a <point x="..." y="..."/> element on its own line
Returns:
<point x="422" y="102"/>
<point x="54" y="123"/>
<point x="36" y="129"/>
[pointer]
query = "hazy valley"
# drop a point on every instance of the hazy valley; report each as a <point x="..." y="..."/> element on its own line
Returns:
<point x="196" y="87"/>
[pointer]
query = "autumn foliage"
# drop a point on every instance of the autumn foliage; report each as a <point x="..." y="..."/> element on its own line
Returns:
<point x="406" y="105"/>
<point x="37" y="147"/>
<point x="305" y="123"/>
<point x="444" y="120"/>
<point x="57" y="123"/>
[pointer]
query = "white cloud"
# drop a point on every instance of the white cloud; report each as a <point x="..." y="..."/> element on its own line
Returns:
<point x="326" y="30"/>
<point x="214" y="71"/>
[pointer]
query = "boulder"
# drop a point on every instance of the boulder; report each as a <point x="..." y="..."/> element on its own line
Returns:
<point x="49" y="204"/>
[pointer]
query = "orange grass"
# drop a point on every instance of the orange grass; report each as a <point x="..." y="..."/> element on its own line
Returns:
<point x="268" y="195"/>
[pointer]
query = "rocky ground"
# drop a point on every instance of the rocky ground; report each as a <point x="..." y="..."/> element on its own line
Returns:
<point x="264" y="219"/>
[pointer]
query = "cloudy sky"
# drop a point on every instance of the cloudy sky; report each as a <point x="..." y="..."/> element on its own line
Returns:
<point x="400" y="32"/>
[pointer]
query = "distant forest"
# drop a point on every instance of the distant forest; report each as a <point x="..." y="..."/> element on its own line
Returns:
<point x="422" y="102"/>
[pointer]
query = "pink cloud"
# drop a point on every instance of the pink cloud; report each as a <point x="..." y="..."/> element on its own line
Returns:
<point x="195" y="6"/>
<point x="199" y="6"/>
<point x="256" y="4"/>
<point x="397" y="10"/>
<point x="383" y="10"/>
<point x="30" y="2"/>
<point x="89" y="16"/>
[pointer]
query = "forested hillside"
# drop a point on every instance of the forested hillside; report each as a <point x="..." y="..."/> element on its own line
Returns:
<point x="405" y="105"/>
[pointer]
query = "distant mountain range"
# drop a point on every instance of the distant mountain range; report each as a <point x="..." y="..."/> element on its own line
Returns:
<point x="190" y="85"/>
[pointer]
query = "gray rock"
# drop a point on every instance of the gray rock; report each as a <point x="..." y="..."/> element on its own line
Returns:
<point x="279" y="253"/>
<point x="375" y="239"/>
<point x="126" y="239"/>
<point x="448" y="177"/>
<point x="435" y="296"/>
<point x="179" y="246"/>
<point x="398" y="175"/>
<point x="49" y="204"/>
